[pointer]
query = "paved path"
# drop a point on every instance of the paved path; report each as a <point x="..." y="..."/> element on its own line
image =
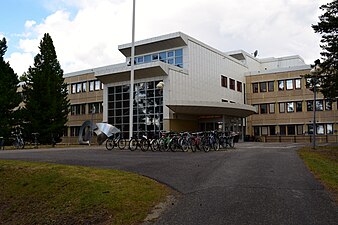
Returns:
<point x="256" y="183"/>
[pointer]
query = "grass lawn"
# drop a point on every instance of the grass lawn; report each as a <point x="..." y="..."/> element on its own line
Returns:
<point x="41" y="193"/>
<point x="323" y="162"/>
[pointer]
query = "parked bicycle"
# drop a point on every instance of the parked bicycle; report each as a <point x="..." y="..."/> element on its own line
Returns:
<point x="143" y="143"/>
<point x="18" y="140"/>
<point x="115" y="141"/>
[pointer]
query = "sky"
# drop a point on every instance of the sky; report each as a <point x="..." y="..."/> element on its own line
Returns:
<point x="86" y="33"/>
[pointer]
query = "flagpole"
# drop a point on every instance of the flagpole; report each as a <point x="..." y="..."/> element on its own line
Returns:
<point x="131" y="94"/>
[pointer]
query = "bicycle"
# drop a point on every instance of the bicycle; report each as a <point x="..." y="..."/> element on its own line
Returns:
<point x="18" y="140"/>
<point x="143" y="143"/>
<point x="227" y="140"/>
<point x="113" y="142"/>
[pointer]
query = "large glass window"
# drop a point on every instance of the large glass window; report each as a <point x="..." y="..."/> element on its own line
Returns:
<point x="320" y="129"/>
<point x="282" y="129"/>
<point x="291" y="130"/>
<point x="148" y="108"/>
<point x="97" y="85"/>
<point x="328" y="105"/>
<point x="264" y="130"/>
<point x="272" y="130"/>
<point x="91" y="85"/>
<point x="174" y="57"/>
<point x="299" y="129"/>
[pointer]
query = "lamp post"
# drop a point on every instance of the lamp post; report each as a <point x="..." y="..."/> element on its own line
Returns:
<point x="314" y="72"/>
<point x="91" y="124"/>
<point x="132" y="56"/>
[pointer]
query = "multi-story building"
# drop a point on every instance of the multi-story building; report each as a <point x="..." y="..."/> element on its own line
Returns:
<point x="182" y="84"/>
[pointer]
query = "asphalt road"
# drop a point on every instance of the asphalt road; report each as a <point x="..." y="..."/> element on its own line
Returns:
<point x="256" y="183"/>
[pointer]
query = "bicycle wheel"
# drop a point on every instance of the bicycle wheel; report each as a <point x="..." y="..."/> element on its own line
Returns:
<point x="216" y="144"/>
<point x="231" y="142"/>
<point x="133" y="144"/>
<point x="109" y="144"/>
<point x="161" y="145"/>
<point x="122" y="143"/>
<point x="155" y="145"/>
<point x="184" y="145"/>
<point x="205" y="144"/>
<point x="173" y="144"/>
<point x="144" y="143"/>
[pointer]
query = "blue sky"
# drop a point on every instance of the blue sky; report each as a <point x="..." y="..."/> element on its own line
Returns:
<point x="86" y="33"/>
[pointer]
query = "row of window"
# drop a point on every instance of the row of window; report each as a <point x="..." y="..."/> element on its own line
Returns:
<point x="87" y="108"/>
<point x="296" y="106"/>
<point x="94" y="85"/>
<point x="293" y="129"/>
<point x="174" y="57"/>
<point x="232" y="83"/>
<point x="269" y="86"/>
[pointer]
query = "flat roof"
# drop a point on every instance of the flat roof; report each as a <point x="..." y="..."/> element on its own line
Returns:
<point x="211" y="108"/>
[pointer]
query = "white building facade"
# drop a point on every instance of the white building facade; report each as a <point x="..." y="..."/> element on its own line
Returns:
<point x="181" y="84"/>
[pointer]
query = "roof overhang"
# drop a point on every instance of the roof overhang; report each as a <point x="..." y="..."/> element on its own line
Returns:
<point x="160" y="43"/>
<point x="121" y="72"/>
<point x="211" y="108"/>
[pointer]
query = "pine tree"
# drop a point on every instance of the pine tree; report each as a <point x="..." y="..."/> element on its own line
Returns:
<point x="328" y="28"/>
<point x="9" y="97"/>
<point x="46" y="101"/>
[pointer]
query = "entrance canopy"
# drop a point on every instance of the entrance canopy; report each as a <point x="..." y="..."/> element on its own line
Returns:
<point x="211" y="108"/>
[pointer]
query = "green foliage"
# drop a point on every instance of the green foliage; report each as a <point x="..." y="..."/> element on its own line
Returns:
<point x="9" y="98"/>
<point x="328" y="28"/>
<point x="41" y="193"/>
<point x="47" y="105"/>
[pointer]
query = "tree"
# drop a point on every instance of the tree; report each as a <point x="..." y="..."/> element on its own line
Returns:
<point x="9" y="97"/>
<point x="46" y="101"/>
<point x="328" y="28"/>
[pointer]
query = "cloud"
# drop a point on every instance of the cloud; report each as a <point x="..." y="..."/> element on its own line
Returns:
<point x="86" y="33"/>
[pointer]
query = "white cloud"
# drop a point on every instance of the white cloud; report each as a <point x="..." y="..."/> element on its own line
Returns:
<point x="20" y="62"/>
<point x="90" y="37"/>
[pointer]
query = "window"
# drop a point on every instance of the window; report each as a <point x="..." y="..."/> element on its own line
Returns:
<point x="298" y="83"/>
<point x="256" y="131"/>
<point x="78" y="87"/>
<point x="232" y="84"/>
<point x="91" y="85"/>
<point x="291" y="130"/>
<point x="272" y="130"/>
<point x="272" y="108"/>
<point x="271" y="86"/>
<point x="309" y="105"/>
<point x="310" y="129"/>
<point x="255" y="87"/>
<point x="281" y="85"/>
<point x="329" y="128"/>
<point x="262" y="87"/>
<point x="319" y="105"/>
<point x="163" y="56"/>
<point x="97" y="85"/>
<point x="282" y="129"/>
<point x="73" y="88"/>
<point x="328" y="105"/>
<point x="290" y="107"/>
<point x="263" y="108"/>
<point x="154" y="57"/>
<point x="147" y="58"/>
<point x="84" y="86"/>
<point x="320" y="129"/>
<point x="289" y="84"/>
<point x="299" y="106"/>
<point x="239" y="86"/>
<point x="264" y="130"/>
<point x="299" y="129"/>
<point x="224" y="81"/>
<point x="281" y="107"/>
